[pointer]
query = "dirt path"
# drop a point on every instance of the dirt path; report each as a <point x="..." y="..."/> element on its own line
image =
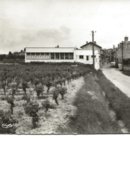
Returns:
<point x="118" y="79"/>
<point x="55" y="120"/>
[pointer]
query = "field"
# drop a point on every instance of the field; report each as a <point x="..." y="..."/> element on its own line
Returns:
<point x="59" y="99"/>
<point x="32" y="95"/>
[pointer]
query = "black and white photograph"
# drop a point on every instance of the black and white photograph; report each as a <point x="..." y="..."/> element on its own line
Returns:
<point x="64" y="67"/>
<point x="64" y="97"/>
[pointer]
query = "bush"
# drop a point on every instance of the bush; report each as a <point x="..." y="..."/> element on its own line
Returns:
<point x="10" y="100"/>
<point x="55" y="95"/>
<point x="31" y="109"/>
<point x="39" y="89"/>
<point x="47" y="105"/>
<point x="26" y="97"/>
<point x="24" y="86"/>
<point x="62" y="92"/>
<point x="48" y="85"/>
<point x="7" y="122"/>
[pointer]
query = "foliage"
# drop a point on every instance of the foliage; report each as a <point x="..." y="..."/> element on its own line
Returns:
<point x="62" y="92"/>
<point x="17" y="78"/>
<point x="55" y="95"/>
<point x="39" y="89"/>
<point x="47" y="105"/>
<point x="7" y="122"/>
<point x="10" y="100"/>
<point x="24" y="86"/>
<point x="31" y="109"/>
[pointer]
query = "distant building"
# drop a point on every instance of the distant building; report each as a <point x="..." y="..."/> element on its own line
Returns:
<point x="123" y="51"/>
<point x="49" y="54"/>
<point x="64" y="54"/>
<point x="89" y="46"/>
<point x="109" y="55"/>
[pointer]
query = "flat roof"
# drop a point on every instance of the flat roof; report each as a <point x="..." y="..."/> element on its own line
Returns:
<point x="50" y="49"/>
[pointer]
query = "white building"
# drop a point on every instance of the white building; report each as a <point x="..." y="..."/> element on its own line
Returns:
<point x="86" y="57"/>
<point x="63" y="54"/>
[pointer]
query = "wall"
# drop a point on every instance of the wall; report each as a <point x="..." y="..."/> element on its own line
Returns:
<point x="49" y="54"/>
<point x="89" y="47"/>
<point x="85" y="54"/>
<point x="126" y="51"/>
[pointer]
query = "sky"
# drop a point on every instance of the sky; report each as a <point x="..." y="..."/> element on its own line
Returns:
<point x="25" y="23"/>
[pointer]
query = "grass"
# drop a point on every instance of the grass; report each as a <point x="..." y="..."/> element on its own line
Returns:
<point x="93" y="108"/>
<point x="118" y="101"/>
<point x="92" y="116"/>
<point x="126" y="70"/>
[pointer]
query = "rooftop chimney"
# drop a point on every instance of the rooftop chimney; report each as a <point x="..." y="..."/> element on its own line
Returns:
<point x="126" y="39"/>
<point x="57" y="46"/>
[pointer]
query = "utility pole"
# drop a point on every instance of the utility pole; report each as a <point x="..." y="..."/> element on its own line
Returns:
<point x="122" y="53"/>
<point x="93" y="52"/>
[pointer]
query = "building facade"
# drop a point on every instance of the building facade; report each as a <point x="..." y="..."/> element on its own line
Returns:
<point x="63" y="54"/>
<point x="123" y="51"/>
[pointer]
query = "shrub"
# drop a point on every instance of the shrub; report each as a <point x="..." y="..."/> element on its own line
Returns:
<point x="13" y="88"/>
<point x="7" y="122"/>
<point x="24" y="86"/>
<point x="31" y="109"/>
<point x="10" y="100"/>
<point x="39" y="89"/>
<point x="48" y="85"/>
<point x="55" y="95"/>
<point x="62" y="92"/>
<point x="26" y="97"/>
<point x="3" y="85"/>
<point x="47" y="105"/>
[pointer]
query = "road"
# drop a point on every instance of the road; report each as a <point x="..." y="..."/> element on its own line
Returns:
<point x="118" y="79"/>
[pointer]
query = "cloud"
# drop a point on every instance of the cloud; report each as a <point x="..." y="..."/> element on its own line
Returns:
<point x="47" y="36"/>
<point x="64" y="22"/>
<point x="14" y="39"/>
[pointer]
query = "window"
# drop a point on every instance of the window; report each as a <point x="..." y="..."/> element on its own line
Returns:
<point x="37" y="54"/>
<point x="81" y="57"/>
<point x="66" y="56"/>
<point x="87" y="58"/>
<point x="62" y="56"/>
<point x="71" y="56"/>
<point x="52" y="56"/>
<point x="28" y="54"/>
<point x="57" y="56"/>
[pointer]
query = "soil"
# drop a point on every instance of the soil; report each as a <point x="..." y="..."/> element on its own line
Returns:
<point x="54" y="120"/>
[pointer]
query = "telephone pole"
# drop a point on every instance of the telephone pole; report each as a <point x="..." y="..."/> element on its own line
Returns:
<point x="122" y="51"/>
<point x="93" y="52"/>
